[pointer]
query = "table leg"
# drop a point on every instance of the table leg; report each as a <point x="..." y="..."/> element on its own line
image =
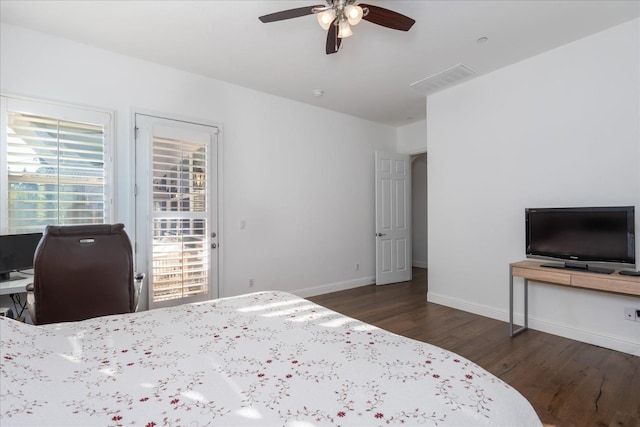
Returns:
<point x="512" y="332"/>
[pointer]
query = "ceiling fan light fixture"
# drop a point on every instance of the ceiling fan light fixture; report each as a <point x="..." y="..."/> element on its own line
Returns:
<point x="354" y="14"/>
<point x="326" y="18"/>
<point x="337" y="17"/>
<point x="344" y="29"/>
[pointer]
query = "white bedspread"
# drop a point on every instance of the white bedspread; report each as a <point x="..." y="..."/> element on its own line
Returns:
<point x="264" y="359"/>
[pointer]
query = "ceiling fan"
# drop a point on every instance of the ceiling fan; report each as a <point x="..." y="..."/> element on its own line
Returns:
<point x="338" y="16"/>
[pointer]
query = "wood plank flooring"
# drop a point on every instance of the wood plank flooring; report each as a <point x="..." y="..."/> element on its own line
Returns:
<point x="568" y="383"/>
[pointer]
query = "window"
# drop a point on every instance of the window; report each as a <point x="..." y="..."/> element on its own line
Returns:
<point x="55" y="166"/>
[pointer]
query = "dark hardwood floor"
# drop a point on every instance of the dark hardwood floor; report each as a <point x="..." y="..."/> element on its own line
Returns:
<point x="568" y="383"/>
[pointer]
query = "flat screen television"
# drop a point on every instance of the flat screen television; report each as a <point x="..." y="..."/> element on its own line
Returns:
<point x="582" y="235"/>
<point x="16" y="252"/>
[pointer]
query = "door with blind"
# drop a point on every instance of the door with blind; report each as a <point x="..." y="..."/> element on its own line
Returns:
<point x="176" y="209"/>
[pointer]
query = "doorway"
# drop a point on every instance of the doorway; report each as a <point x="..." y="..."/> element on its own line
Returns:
<point x="177" y="205"/>
<point x="419" y="211"/>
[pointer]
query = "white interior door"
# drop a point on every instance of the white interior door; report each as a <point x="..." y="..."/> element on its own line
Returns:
<point x="393" y="217"/>
<point x="177" y="210"/>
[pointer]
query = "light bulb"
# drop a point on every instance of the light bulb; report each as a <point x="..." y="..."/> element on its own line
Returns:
<point x="344" y="30"/>
<point x="353" y="13"/>
<point x="326" y="18"/>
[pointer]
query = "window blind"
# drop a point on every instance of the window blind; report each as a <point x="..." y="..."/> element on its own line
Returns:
<point x="56" y="172"/>
<point x="180" y="242"/>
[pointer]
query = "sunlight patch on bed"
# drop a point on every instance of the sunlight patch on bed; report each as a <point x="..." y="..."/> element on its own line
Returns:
<point x="193" y="395"/>
<point x="269" y="306"/>
<point x="70" y="357"/>
<point x="298" y="423"/>
<point x="365" y="328"/>
<point x="109" y="372"/>
<point x="76" y="348"/>
<point x="249" y="412"/>
<point x="312" y="316"/>
<point x="233" y="385"/>
<point x="290" y="311"/>
<point x="337" y="322"/>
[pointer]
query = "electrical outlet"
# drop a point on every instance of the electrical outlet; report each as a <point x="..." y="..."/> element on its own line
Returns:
<point x="631" y="314"/>
<point x="357" y="267"/>
<point x="251" y="283"/>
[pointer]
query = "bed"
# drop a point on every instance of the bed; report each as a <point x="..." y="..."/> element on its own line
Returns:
<point x="261" y="359"/>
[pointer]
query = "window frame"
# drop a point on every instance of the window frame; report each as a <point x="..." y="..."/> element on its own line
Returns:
<point x="62" y="111"/>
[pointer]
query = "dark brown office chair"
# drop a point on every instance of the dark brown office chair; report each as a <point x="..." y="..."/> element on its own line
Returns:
<point x="81" y="272"/>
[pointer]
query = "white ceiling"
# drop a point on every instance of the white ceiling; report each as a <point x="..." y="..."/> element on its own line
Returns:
<point x="369" y="77"/>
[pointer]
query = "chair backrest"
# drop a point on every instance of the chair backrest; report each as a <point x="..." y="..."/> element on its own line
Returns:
<point x="83" y="271"/>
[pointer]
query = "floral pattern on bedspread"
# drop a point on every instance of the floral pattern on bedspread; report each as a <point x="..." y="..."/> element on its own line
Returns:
<point x="263" y="359"/>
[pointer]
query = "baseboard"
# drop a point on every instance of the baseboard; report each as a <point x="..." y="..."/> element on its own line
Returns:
<point x="482" y="310"/>
<point x="334" y="287"/>
<point x="420" y="264"/>
<point x="566" y="331"/>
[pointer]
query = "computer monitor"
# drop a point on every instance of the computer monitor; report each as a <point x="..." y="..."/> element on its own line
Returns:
<point x="16" y="252"/>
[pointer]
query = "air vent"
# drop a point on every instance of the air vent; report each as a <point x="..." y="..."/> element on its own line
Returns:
<point x="444" y="79"/>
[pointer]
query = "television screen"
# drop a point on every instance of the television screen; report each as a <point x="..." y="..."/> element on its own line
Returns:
<point x="599" y="234"/>
<point x="16" y="252"/>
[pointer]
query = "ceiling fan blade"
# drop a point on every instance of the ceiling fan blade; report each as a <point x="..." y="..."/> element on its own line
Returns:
<point x="387" y="18"/>
<point x="288" y="14"/>
<point x="333" y="41"/>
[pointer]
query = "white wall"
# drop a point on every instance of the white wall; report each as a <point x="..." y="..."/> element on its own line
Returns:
<point x="307" y="198"/>
<point x="412" y="138"/>
<point x="558" y="129"/>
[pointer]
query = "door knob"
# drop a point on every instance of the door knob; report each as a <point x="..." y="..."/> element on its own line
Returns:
<point x="213" y="246"/>
<point x="380" y="234"/>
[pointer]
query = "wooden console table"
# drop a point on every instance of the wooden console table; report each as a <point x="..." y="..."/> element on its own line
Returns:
<point x="533" y="270"/>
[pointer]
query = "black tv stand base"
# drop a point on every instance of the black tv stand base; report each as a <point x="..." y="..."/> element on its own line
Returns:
<point x="580" y="267"/>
